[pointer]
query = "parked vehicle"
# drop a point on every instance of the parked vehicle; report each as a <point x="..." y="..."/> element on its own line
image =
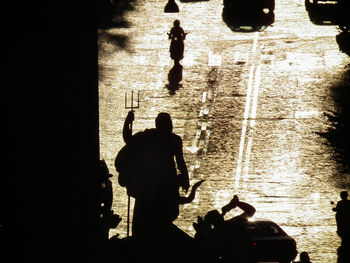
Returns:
<point x="327" y="12"/>
<point x="260" y="240"/>
<point x="269" y="242"/>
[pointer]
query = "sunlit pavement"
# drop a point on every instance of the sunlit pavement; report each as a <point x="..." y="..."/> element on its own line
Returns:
<point x="248" y="110"/>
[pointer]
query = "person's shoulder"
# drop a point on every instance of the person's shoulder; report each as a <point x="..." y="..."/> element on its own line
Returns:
<point x="176" y="138"/>
<point x="144" y="132"/>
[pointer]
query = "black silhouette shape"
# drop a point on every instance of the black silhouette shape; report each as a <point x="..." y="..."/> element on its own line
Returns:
<point x="147" y="167"/>
<point x="107" y="217"/>
<point x="343" y="41"/>
<point x="174" y="78"/>
<point x="241" y="240"/>
<point x="177" y="36"/>
<point x="173" y="246"/>
<point x="342" y="216"/>
<point x="171" y="7"/>
<point x="329" y="13"/>
<point x="321" y="14"/>
<point x="248" y="16"/>
<point x="304" y="258"/>
<point x="343" y="253"/>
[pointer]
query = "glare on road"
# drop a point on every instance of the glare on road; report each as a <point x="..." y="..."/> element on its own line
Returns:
<point x="249" y="109"/>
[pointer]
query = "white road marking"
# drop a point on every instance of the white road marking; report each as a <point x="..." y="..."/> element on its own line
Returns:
<point x="244" y="128"/>
<point x="255" y="43"/>
<point x="252" y="121"/>
<point x="236" y="57"/>
<point x="249" y="113"/>
<point x="204" y="96"/>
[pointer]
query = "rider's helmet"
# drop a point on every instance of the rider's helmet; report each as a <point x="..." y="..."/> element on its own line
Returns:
<point x="176" y="22"/>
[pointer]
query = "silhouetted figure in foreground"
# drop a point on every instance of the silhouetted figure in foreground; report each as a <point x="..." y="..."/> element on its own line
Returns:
<point x="304" y="258"/>
<point x="222" y="238"/>
<point x="343" y="217"/>
<point x="174" y="78"/>
<point x="148" y="167"/>
<point x="177" y="36"/>
<point x="171" y="7"/>
<point x="107" y="217"/>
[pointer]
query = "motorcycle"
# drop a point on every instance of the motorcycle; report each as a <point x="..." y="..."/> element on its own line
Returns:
<point x="177" y="47"/>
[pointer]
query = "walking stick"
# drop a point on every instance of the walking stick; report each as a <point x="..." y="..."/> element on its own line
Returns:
<point x="131" y="107"/>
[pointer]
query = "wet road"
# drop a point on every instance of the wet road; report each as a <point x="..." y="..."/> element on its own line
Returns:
<point x="248" y="110"/>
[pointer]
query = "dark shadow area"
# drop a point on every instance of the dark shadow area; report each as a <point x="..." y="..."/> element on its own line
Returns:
<point x="174" y="78"/>
<point x="49" y="192"/>
<point x="343" y="254"/>
<point x="248" y="16"/>
<point x="337" y="135"/>
<point x="110" y="13"/>
<point x="343" y="40"/>
<point x="119" y="41"/>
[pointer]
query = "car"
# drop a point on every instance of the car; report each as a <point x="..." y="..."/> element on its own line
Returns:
<point x="317" y="4"/>
<point x="326" y="12"/>
<point x="252" y="13"/>
<point x="269" y="242"/>
<point x="258" y="240"/>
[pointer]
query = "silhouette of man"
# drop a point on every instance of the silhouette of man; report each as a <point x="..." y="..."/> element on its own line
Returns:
<point x="159" y="153"/>
<point x="342" y="216"/>
<point x="177" y="36"/>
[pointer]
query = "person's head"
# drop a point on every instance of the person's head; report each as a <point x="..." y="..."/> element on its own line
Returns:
<point x="164" y="123"/>
<point x="176" y="22"/>
<point x="343" y="195"/>
<point x="214" y="218"/>
<point x="304" y="257"/>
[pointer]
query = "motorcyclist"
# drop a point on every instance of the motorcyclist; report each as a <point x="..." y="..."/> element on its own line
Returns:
<point x="177" y="36"/>
<point x="177" y="32"/>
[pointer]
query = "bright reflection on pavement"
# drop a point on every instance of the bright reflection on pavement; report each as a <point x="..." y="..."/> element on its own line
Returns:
<point x="248" y="110"/>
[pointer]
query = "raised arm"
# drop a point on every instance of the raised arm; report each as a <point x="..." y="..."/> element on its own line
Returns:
<point x="248" y="209"/>
<point x="127" y="129"/>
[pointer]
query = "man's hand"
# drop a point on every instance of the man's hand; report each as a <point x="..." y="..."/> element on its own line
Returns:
<point x="184" y="182"/>
<point x="233" y="203"/>
<point x="130" y="118"/>
<point x="186" y="187"/>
